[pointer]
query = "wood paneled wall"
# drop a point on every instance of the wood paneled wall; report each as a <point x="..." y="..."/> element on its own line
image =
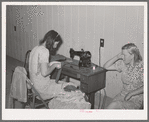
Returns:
<point x="80" y="26"/>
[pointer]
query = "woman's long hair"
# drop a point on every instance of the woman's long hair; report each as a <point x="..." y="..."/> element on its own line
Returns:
<point x="49" y="38"/>
<point x="133" y="49"/>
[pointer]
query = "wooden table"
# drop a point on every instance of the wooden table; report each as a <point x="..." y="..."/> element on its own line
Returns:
<point x="91" y="80"/>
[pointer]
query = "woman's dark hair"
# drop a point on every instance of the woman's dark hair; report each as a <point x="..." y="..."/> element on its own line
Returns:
<point x="133" y="49"/>
<point x="50" y="37"/>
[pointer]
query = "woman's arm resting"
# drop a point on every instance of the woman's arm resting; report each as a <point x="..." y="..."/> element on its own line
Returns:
<point x="134" y="92"/>
<point x="109" y="64"/>
<point x="137" y="91"/>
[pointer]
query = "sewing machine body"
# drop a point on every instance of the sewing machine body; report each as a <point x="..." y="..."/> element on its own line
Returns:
<point x="85" y="57"/>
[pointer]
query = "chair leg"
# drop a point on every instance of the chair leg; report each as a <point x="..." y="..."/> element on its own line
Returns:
<point x="45" y="104"/>
<point x="33" y="101"/>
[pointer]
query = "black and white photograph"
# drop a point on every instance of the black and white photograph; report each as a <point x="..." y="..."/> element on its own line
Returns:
<point x="74" y="60"/>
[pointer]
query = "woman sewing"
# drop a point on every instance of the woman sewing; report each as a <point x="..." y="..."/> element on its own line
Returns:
<point x="40" y="69"/>
<point x="129" y="63"/>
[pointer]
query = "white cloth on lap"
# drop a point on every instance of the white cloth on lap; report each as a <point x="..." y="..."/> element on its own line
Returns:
<point x="70" y="100"/>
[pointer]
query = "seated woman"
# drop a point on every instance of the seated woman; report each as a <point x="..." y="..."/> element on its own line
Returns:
<point x="40" y="69"/>
<point x="129" y="63"/>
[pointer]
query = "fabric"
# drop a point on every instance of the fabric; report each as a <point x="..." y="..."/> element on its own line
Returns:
<point x="132" y="78"/>
<point x="69" y="100"/>
<point x="18" y="87"/>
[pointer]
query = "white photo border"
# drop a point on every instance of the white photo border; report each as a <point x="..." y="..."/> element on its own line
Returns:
<point x="49" y="114"/>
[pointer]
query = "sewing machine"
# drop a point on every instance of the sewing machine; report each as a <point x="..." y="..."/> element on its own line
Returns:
<point x="85" y="57"/>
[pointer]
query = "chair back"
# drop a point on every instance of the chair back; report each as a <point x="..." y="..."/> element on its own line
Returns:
<point x="26" y="63"/>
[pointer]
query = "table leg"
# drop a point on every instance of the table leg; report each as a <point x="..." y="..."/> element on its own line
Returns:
<point x="91" y="99"/>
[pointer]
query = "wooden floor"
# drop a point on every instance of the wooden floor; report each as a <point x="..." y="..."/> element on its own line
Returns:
<point x="11" y="63"/>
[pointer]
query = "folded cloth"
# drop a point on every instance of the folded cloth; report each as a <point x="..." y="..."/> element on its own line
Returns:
<point x="18" y="86"/>
<point x="69" y="100"/>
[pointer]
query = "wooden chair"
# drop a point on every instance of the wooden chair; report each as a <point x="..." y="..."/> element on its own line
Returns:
<point x="36" y="100"/>
<point x="26" y="63"/>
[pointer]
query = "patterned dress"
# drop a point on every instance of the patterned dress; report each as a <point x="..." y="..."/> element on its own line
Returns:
<point x="132" y="79"/>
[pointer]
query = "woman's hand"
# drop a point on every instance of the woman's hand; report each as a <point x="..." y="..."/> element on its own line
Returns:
<point x="109" y="64"/>
<point x="56" y="64"/>
<point x="128" y="96"/>
<point x="120" y="56"/>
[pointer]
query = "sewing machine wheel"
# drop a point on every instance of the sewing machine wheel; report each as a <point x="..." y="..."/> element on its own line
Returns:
<point x="85" y="63"/>
<point x="88" y="63"/>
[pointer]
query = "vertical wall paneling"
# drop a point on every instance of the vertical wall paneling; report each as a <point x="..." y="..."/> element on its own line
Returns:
<point x="7" y="31"/>
<point x="20" y="26"/>
<point x="99" y="29"/>
<point x="34" y="27"/>
<point x="67" y="29"/>
<point x="11" y="32"/>
<point x="131" y="24"/>
<point x="29" y="24"/>
<point x="18" y="29"/>
<point x="119" y="28"/>
<point x="108" y="31"/>
<point x="90" y="31"/>
<point x="49" y="17"/>
<point x="17" y="36"/>
<point x="82" y="27"/>
<point x="14" y="33"/>
<point x="39" y="23"/>
<point x="55" y="17"/>
<point x="61" y="28"/>
<point x="140" y="35"/>
<point x="23" y="32"/>
<point x="75" y="27"/>
<point x="44" y="20"/>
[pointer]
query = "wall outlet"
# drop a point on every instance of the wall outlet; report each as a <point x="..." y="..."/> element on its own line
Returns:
<point x="101" y="42"/>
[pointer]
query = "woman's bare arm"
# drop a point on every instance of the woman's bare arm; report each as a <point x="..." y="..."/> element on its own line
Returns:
<point x="133" y="93"/>
<point x="109" y="64"/>
<point x="46" y="70"/>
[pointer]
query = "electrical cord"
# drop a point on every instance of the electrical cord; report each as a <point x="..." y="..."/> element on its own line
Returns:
<point x="101" y="104"/>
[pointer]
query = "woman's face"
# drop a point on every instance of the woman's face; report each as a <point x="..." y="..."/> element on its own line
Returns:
<point x="127" y="57"/>
<point x="55" y="44"/>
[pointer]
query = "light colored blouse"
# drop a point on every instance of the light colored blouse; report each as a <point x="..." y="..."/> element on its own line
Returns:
<point x="38" y="55"/>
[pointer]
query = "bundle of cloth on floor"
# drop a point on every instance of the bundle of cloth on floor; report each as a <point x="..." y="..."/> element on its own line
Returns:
<point x="73" y="99"/>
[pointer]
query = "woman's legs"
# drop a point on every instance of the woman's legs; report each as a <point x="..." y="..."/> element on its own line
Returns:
<point x="114" y="105"/>
<point x="122" y="105"/>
